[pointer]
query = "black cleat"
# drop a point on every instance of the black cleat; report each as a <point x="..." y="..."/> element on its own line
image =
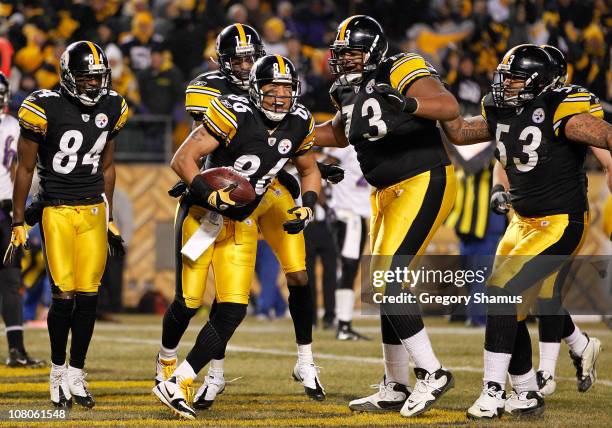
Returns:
<point x="19" y="358"/>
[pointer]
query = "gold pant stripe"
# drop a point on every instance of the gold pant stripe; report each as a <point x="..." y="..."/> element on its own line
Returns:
<point x="75" y="246"/>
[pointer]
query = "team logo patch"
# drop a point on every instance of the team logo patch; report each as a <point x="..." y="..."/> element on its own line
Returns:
<point x="85" y="117"/>
<point x="538" y="115"/>
<point x="101" y="120"/>
<point x="284" y="147"/>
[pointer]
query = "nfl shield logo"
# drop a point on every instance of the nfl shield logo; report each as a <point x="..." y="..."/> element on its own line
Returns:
<point x="85" y="117"/>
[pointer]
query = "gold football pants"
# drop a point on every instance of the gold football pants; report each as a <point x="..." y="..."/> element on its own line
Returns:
<point x="75" y="246"/>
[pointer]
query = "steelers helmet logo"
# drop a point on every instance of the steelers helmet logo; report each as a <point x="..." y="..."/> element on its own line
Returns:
<point x="284" y="147"/>
<point x="538" y="115"/>
<point x="101" y="120"/>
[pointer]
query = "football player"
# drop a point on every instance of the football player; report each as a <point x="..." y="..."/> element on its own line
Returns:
<point x="387" y="110"/>
<point x="256" y="136"/>
<point x="68" y="135"/>
<point x="238" y="47"/>
<point x="10" y="275"/>
<point x="542" y="133"/>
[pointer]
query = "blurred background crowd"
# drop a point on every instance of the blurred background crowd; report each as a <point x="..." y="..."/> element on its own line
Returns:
<point x="156" y="46"/>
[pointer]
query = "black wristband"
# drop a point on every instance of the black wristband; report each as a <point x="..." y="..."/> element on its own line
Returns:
<point x="497" y="188"/>
<point x="309" y="199"/>
<point x="411" y="105"/>
<point x="17" y="223"/>
<point x="323" y="169"/>
<point x="199" y="186"/>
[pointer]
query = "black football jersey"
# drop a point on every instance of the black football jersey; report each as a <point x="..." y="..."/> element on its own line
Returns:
<point x="250" y="146"/>
<point x="70" y="138"/>
<point x="390" y="146"/>
<point x="206" y="87"/>
<point x="544" y="168"/>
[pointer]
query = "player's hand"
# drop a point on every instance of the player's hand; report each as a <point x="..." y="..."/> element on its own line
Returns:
<point x="332" y="173"/>
<point x="115" y="241"/>
<point x="399" y="102"/>
<point x="220" y="199"/>
<point x="290" y="182"/>
<point x="178" y="189"/>
<point x="19" y="239"/>
<point x="500" y="200"/>
<point x="304" y="216"/>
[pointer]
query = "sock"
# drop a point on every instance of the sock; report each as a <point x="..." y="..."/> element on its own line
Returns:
<point x="167" y="354"/>
<point x="82" y="326"/>
<point x="176" y="321"/>
<point x="14" y="337"/>
<point x="396" y="360"/>
<point x="185" y="371"/>
<point x="496" y="367"/>
<point x="302" y="313"/>
<point x="419" y="348"/>
<point x="524" y="382"/>
<point x="549" y="353"/>
<point x="576" y="341"/>
<point x="345" y="300"/>
<point x="217" y="365"/>
<point x="58" y="323"/>
<point x="305" y="354"/>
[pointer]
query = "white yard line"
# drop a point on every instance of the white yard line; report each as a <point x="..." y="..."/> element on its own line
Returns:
<point x="280" y="352"/>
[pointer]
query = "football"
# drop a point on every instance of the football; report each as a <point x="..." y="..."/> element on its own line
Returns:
<point x="219" y="178"/>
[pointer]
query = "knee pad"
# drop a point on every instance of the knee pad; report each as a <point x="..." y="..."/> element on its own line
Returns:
<point x="297" y="278"/>
<point x="181" y="313"/>
<point x="227" y="318"/>
<point x="521" y="355"/>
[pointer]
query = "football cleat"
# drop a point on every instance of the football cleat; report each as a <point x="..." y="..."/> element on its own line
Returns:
<point x="164" y="369"/>
<point x="428" y="389"/>
<point x="586" y="374"/>
<point x="308" y="374"/>
<point x="346" y="332"/>
<point x="19" y="358"/>
<point x="58" y="387"/>
<point x="175" y="394"/>
<point x="78" y="387"/>
<point x="390" y="397"/>
<point x="490" y="404"/>
<point x="546" y="383"/>
<point x="525" y="404"/>
<point x="214" y="384"/>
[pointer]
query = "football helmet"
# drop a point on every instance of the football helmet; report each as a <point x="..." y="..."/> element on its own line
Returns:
<point x="238" y="41"/>
<point x="526" y="64"/>
<point x="559" y="63"/>
<point x="81" y="63"/>
<point x="357" y="33"/>
<point x="273" y="69"/>
<point x="4" y="92"/>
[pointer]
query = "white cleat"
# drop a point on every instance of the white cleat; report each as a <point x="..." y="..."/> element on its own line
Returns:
<point x="525" y="404"/>
<point x="586" y="373"/>
<point x="58" y="387"/>
<point x="546" y="383"/>
<point x="214" y="384"/>
<point x="308" y="374"/>
<point x="164" y="368"/>
<point x="390" y="397"/>
<point x="490" y="404"/>
<point x="428" y="389"/>
<point x="78" y="387"/>
<point x="175" y="394"/>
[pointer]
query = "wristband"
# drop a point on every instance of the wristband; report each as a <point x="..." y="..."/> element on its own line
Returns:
<point x="309" y="199"/>
<point x="411" y="105"/>
<point x="199" y="186"/>
<point x="17" y="223"/>
<point x="497" y="188"/>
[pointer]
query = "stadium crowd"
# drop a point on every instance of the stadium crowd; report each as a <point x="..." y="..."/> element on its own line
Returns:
<point x="156" y="46"/>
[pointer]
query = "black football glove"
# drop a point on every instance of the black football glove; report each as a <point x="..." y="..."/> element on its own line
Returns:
<point x="178" y="189"/>
<point x="115" y="241"/>
<point x="304" y="216"/>
<point x="290" y="183"/>
<point x="399" y="102"/>
<point x="500" y="200"/>
<point x="332" y="173"/>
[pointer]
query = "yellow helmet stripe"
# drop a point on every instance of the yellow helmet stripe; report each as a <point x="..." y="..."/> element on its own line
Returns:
<point x="281" y="64"/>
<point x="96" y="55"/>
<point x="241" y="34"/>
<point x="343" y="28"/>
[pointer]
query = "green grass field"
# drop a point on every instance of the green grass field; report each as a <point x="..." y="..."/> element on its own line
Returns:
<point x="261" y="355"/>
